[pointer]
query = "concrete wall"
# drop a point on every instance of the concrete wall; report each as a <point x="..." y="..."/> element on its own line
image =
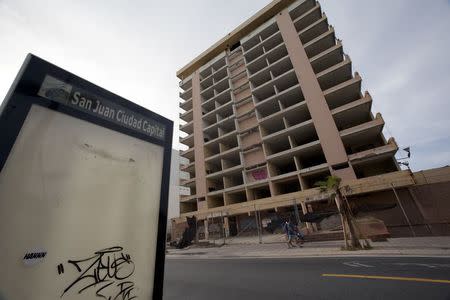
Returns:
<point x="427" y="205"/>
<point x="174" y="191"/>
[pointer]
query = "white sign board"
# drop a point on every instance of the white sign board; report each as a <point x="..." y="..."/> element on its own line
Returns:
<point x="80" y="208"/>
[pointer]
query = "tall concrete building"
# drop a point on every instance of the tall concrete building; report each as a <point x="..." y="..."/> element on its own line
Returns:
<point x="272" y="108"/>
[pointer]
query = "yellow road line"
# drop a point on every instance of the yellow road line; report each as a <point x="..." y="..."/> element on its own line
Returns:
<point x="388" y="278"/>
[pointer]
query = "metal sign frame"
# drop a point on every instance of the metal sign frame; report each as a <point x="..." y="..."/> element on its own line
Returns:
<point x="24" y="92"/>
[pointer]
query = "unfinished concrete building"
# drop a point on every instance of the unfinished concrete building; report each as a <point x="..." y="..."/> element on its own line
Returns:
<point x="272" y="108"/>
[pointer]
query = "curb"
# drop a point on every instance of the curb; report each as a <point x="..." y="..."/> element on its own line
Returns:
<point x="206" y="257"/>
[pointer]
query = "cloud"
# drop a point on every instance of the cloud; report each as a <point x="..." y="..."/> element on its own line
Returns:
<point x="400" y="48"/>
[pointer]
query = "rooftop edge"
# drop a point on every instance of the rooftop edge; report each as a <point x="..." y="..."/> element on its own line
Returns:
<point x="234" y="36"/>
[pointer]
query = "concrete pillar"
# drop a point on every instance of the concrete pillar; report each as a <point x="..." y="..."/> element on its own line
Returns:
<point x="313" y="225"/>
<point x="226" y="226"/>
<point x="206" y="229"/>
<point x="200" y="169"/>
<point x="329" y="137"/>
<point x="304" y="210"/>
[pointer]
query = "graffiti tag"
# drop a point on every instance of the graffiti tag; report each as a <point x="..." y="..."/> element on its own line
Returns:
<point x="108" y="272"/>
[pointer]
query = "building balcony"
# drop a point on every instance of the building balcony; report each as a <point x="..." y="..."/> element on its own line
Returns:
<point x="186" y="105"/>
<point x="297" y="11"/>
<point x="189" y="154"/>
<point x="189" y="168"/>
<point x="327" y="58"/>
<point x="228" y="190"/>
<point x="188" y="182"/>
<point x="186" y="95"/>
<point x="187" y="116"/>
<point x="273" y="70"/>
<point x="314" y="30"/>
<point x="303" y="150"/>
<point x="209" y="104"/>
<point x="226" y="138"/>
<point x="188" y="206"/>
<point x="265" y="32"/>
<point x="225" y="172"/>
<point x="268" y="44"/>
<point x="293" y="114"/>
<point x="286" y="176"/>
<point x="287" y="166"/>
<point x="353" y="113"/>
<point x="336" y="74"/>
<point x="235" y="194"/>
<point x="320" y="43"/>
<point x="344" y="92"/>
<point x="376" y="153"/>
<point x="186" y="83"/>
<point x="287" y="97"/>
<point x="188" y="140"/>
<point x="225" y="108"/>
<point x="218" y="100"/>
<point x="188" y="198"/>
<point x="307" y="18"/>
<point x="305" y="129"/>
<point x="213" y="66"/>
<point x="215" y="89"/>
<point x="276" y="86"/>
<point x="227" y="124"/>
<point x="182" y="161"/>
<point x="225" y="113"/>
<point x="229" y="153"/>
<point x="363" y="133"/>
<point x="188" y="127"/>
<point x="267" y="58"/>
<point x="214" y="78"/>
<point x="320" y="168"/>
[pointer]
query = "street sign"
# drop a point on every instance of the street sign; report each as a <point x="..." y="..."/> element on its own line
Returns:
<point x="84" y="184"/>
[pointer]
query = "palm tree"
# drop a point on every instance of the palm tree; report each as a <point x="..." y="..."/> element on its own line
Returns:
<point x="332" y="185"/>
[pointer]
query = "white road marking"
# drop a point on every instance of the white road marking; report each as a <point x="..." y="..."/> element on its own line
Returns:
<point x="356" y="264"/>
<point x="430" y="266"/>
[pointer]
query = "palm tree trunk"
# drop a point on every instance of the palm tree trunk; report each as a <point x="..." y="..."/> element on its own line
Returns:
<point x="347" y="224"/>
<point x="344" y="231"/>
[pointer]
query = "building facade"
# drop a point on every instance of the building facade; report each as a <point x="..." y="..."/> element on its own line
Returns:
<point x="270" y="110"/>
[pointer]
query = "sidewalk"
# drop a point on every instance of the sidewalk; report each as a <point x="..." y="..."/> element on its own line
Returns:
<point x="274" y="248"/>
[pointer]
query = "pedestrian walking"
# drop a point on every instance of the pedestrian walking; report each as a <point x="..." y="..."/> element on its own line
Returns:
<point x="289" y="230"/>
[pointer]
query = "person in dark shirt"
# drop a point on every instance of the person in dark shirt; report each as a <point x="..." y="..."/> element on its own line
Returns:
<point x="289" y="230"/>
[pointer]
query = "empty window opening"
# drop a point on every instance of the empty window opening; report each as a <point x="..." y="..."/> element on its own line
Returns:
<point x="215" y="201"/>
<point x="314" y="159"/>
<point x="279" y="146"/>
<point x="287" y="187"/>
<point x="237" y="197"/>
<point x="235" y="46"/>
<point x="376" y="167"/>
<point x="260" y="192"/>
<point x="311" y="180"/>
<point x="340" y="166"/>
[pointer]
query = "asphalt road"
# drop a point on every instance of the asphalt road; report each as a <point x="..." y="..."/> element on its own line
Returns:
<point x="306" y="278"/>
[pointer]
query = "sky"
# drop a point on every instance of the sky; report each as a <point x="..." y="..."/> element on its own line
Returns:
<point x="400" y="48"/>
